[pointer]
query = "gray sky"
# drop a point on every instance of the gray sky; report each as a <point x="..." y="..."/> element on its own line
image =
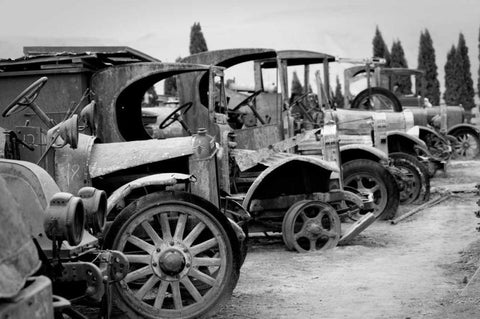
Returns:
<point x="162" y="28"/>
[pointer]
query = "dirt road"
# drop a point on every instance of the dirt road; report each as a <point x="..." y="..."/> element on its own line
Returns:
<point x="415" y="269"/>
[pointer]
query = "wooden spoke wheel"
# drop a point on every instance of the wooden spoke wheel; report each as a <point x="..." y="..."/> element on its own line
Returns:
<point x="181" y="259"/>
<point x="311" y="226"/>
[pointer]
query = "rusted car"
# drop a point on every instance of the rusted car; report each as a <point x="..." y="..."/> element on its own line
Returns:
<point x="184" y="253"/>
<point x="411" y="176"/>
<point x="449" y="122"/>
<point x="51" y="234"/>
<point x="290" y="188"/>
<point x="397" y="141"/>
<point x="267" y="180"/>
<point x="267" y="115"/>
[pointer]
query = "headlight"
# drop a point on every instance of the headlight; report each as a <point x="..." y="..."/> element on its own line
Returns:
<point x="95" y="206"/>
<point x="65" y="218"/>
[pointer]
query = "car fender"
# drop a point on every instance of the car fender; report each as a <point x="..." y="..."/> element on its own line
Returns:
<point x="464" y="126"/>
<point x="296" y="175"/>
<point x="403" y="142"/>
<point x="164" y="179"/>
<point x="360" y="151"/>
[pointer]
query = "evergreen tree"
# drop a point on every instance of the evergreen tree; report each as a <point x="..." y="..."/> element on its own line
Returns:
<point x="297" y="88"/>
<point x="466" y="92"/>
<point x="170" y="85"/>
<point x="398" y="60"/>
<point x="478" y="83"/>
<point x="338" y="99"/>
<point x="451" y="84"/>
<point x="430" y="87"/>
<point x="197" y="41"/>
<point x="380" y="49"/>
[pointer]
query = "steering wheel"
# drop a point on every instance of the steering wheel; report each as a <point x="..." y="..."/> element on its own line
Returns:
<point x="247" y="100"/>
<point x="298" y="99"/>
<point x="302" y="109"/>
<point x="26" y="98"/>
<point x="174" y="116"/>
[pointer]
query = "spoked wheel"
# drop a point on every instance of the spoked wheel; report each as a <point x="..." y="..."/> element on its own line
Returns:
<point x="467" y="146"/>
<point x="182" y="262"/>
<point x="437" y="145"/>
<point x="412" y="179"/>
<point x="368" y="176"/>
<point x="376" y="98"/>
<point x="310" y="226"/>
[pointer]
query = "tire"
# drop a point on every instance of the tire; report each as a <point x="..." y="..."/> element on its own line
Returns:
<point x="311" y="225"/>
<point x="365" y="175"/>
<point x="363" y="99"/>
<point x="467" y="146"/>
<point x="418" y="188"/>
<point x="187" y="274"/>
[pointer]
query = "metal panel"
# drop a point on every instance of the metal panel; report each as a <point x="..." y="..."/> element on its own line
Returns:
<point x="111" y="157"/>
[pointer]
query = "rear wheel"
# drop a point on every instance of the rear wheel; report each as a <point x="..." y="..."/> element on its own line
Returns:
<point x="181" y="256"/>
<point x="368" y="176"/>
<point x="413" y="179"/>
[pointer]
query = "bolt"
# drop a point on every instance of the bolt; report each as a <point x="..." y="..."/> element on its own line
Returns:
<point x="158" y="250"/>
<point x="154" y="264"/>
<point x="172" y="243"/>
<point x="187" y="265"/>
<point x="185" y="250"/>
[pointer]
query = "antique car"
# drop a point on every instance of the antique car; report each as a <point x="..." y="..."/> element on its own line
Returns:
<point x="381" y="93"/>
<point x="184" y="253"/>
<point x="51" y="234"/>
<point x="266" y="114"/>
<point x="411" y="176"/>
<point x="398" y="141"/>
<point x="276" y="183"/>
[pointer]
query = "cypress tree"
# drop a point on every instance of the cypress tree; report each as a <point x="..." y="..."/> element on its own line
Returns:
<point x="426" y="61"/>
<point x="398" y="60"/>
<point x="338" y="98"/>
<point x="478" y="83"/>
<point x="197" y="40"/>
<point x="466" y="92"/>
<point x="451" y="84"/>
<point x="380" y="49"/>
<point x="297" y="88"/>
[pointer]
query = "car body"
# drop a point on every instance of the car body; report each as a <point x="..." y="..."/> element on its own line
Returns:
<point x="452" y="122"/>
<point x="163" y="199"/>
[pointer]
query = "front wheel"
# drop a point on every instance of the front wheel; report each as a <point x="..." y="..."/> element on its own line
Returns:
<point x="182" y="258"/>
<point x="368" y="176"/>
<point x="412" y="178"/>
<point x="467" y="146"/>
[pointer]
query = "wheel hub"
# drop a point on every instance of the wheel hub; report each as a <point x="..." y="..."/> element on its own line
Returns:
<point x="313" y="228"/>
<point x="172" y="262"/>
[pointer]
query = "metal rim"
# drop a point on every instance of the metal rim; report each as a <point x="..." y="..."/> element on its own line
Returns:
<point x="178" y="261"/>
<point x="310" y="226"/>
<point x="367" y="183"/>
<point x="467" y="146"/>
<point x="410" y="185"/>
